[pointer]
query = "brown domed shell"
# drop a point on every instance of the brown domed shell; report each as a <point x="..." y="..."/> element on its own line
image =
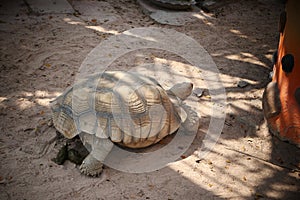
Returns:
<point x="130" y="109"/>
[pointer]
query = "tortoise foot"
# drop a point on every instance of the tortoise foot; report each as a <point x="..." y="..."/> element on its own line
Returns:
<point x="91" y="166"/>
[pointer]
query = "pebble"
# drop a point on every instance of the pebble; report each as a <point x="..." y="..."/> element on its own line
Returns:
<point x="271" y="74"/>
<point x="242" y="84"/>
<point x="198" y="92"/>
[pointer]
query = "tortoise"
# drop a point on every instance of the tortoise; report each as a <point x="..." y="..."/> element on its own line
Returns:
<point x="124" y="108"/>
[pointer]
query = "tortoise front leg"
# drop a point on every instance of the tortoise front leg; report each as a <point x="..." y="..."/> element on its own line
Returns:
<point x="100" y="148"/>
<point x="91" y="166"/>
<point x="191" y="120"/>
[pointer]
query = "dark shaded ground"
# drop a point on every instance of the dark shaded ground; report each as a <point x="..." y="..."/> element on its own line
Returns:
<point x="40" y="55"/>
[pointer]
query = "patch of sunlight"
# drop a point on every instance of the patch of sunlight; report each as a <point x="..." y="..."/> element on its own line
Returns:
<point x="40" y="93"/>
<point x="276" y="189"/>
<point x="247" y="54"/>
<point x="44" y="98"/>
<point x="138" y="36"/>
<point x="40" y="97"/>
<point x="242" y="106"/>
<point x="246" y="57"/>
<point x="102" y="30"/>
<point x="27" y="94"/>
<point x="269" y="56"/>
<point x="204" y="17"/>
<point x="207" y="176"/>
<point x="252" y="82"/>
<point x="199" y="16"/>
<point x="237" y="32"/>
<point x="23" y="103"/>
<point x="69" y="21"/>
<point x="2" y="99"/>
<point x="43" y="102"/>
<point x="175" y="70"/>
<point x="209" y="23"/>
<point x="216" y="54"/>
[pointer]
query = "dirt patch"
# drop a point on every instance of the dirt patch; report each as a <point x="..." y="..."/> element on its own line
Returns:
<point x="41" y="54"/>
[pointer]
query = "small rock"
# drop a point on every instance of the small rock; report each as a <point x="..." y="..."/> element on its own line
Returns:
<point x="2" y="180"/>
<point x="198" y="92"/>
<point x="42" y="67"/>
<point x="28" y="129"/>
<point x="141" y="193"/>
<point x="271" y="74"/>
<point x="242" y="84"/>
<point x="258" y="196"/>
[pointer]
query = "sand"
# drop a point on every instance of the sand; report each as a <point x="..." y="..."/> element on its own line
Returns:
<point x="41" y="55"/>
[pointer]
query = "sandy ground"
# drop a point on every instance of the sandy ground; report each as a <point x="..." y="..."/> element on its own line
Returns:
<point x="40" y="55"/>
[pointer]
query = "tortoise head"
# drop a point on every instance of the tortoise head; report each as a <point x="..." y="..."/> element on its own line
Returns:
<point x="179" y="92"/>
<point x="182" y="90"/>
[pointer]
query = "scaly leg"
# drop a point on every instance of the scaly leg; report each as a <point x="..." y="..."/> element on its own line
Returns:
<point x="100" y="148"/>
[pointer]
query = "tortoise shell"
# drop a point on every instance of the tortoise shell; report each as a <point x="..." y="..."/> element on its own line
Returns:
<point x="131" y="109"/>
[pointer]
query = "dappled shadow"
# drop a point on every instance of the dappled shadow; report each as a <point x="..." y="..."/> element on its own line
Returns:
<point x="39" y="62"/>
